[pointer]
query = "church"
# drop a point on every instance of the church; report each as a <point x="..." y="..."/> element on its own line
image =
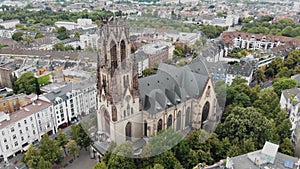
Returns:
<point x="132" y="108"/>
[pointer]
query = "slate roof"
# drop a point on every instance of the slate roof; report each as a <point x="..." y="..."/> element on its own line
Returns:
<point x="59" y="92"/>
<point x="172" y="85"/>
<point x="244" y="69"/>
<point x="296" y="77"/>
<point x="287" y="93"/>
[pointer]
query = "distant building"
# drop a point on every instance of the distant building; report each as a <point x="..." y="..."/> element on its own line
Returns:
<point x="243" y="70"/>
<point x="13" y="103"/>
<point x="255" y="41"/>
<point x="81" y="24"/>
<point x="8" y="24"/>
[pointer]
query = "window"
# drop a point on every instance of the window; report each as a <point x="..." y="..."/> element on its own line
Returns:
<point x="16" y="143"/>
<point x="21" y="132"/>
<point x="22" y="138"/>
<point x="7" y="147"/>
<point x="25" y="122"/>
<point x="5" y="140"/>
<point x="12" y="129"/>
<point x="32" y="125"/>
<point x="26" y="128"/>
<point x="33" y="132"/>
<point x="19" y="124"/>
<point x="31" y="119"/>
<point x="14" y="136"/>
<point x="3" y="133"/>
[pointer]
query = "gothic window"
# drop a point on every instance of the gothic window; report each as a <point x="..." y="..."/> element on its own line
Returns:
<point x="208" y="92"/>
<point x="187" y="117"/>
<point x="159" y="125"/>
<point x="123" y="53"/>
<point x="107" y="121"/>
<point x="205" y="112"/>
<point x="178" y="123"/>
<point x="145" y="128"/>
<point x="113" y="54"/>
<point x="169" y="122"/>
<point x="114" y="113"/>
<point x="128" y="131"/>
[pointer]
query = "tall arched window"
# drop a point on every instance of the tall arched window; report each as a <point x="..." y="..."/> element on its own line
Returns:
<point x="145" y="128"/>
<point x="188" y="117"/>
<point x="128" y="131"/>
<point x="178" y="123"/>
<point x="169" y="122"/>
<point x="113" y="54"/>
<point x="205" y="112"/>
<point x="159" y="125"/>
<point x="123" y="53"/>
<point x="114" y="113"/>
<point x="107" y="121"/>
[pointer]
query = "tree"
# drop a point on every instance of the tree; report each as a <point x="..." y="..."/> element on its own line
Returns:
<point x="158" y="166"/>
<point x="238" y="80"/>
<point x="77" y="34"/>
<point x="109" y="151"/>
<point x="27" y="84"/>
<point x="18" y="36"/>
<point x="32" y="157"/>
<point x="50" y="149"/>
<point x="259" y="76"/>
<point x="80" y="136"/>
<point x="72" y="148"/>
<point x="59" y="46"/>
<point x="246" y="123"/>
<point x="167" y="160"/>
<point x="280" y="84"/>
<point x="44" y="164"/>
<point x="148" y="72"/>
<point x="27" y="39"/>
<point x="61" y="138"/>
<point x="287" y="147"/>
<point x="62" y="33"/>
<point x="38" y="35"/>
<point x="243" y="99"/>
<point x="122" y="157"/>
<point x="284" y="72"/>
<point x="101" y="165"/>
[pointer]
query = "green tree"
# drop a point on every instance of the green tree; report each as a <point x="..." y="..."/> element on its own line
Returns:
<point x="80" y="136"/>
<point x="287" y="147"/>
<point x="259" y="76"/>
<point x="62" y="33"/>
<point x="148" y="72"/>
<point x="38" y="35"/>
<point x="59" y="46"/>
<point x="167" y="160"/>
<point x="61" y="138"/>
<point x="243" y="99"/>
<point x="158" y="166"/>
<point x="122" y="157"/>
<point x="18" y="36"/>
<point x="109" y="151"/>
<point x="280" y="84"/>
<point x="72" y="148"/>
<point x="32" y="157"/>
<point x="50" y="149"/>
<point x="101" y="165"/>
<point x="238" y="80"/>
<point x="27" y="84"/>
<point x="246" y="123"/>
<point x="44" y="164"/>
<point x="77" y="34"/>
<point x="284" y="72"/>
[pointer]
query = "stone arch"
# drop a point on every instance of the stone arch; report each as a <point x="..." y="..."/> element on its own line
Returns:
<point x="106" y="121"/>
<point x="113" y="55"/>
<point x="205" y="112"/>
<point x="178" y="123"/>
<point x="128" y="131"/>
<point x="159" y="125"/>
<point x="114" y="113"/>
<point x="123" y="52"/>
<point x="145" y="128"/>
<point x="169" y="122"/>
<point x="187" y="116"/>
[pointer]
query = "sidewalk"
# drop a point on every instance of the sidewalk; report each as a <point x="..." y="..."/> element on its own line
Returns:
<point x="14" y="163"/>
<point x="82" y="162"/>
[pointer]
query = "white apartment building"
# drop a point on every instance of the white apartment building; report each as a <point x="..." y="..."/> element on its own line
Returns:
<point x="6" y="33"/>
<point x="8" y="24"/>
<point x="72" y="101"/>
<point x="20" y="129"/>
<point x="290" y="101"/>
<point x="89" y="40"/>
<point x="243" y="70"/>
<point x="81" y="23"/>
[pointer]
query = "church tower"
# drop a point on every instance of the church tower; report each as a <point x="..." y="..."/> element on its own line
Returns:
<point x="119" y="114"/>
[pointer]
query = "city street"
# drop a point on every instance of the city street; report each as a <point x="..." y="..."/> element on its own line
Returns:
<point x="83" y="162"/>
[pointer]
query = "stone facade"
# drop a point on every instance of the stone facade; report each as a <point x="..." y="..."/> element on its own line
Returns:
<point x="130" y="108"/>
